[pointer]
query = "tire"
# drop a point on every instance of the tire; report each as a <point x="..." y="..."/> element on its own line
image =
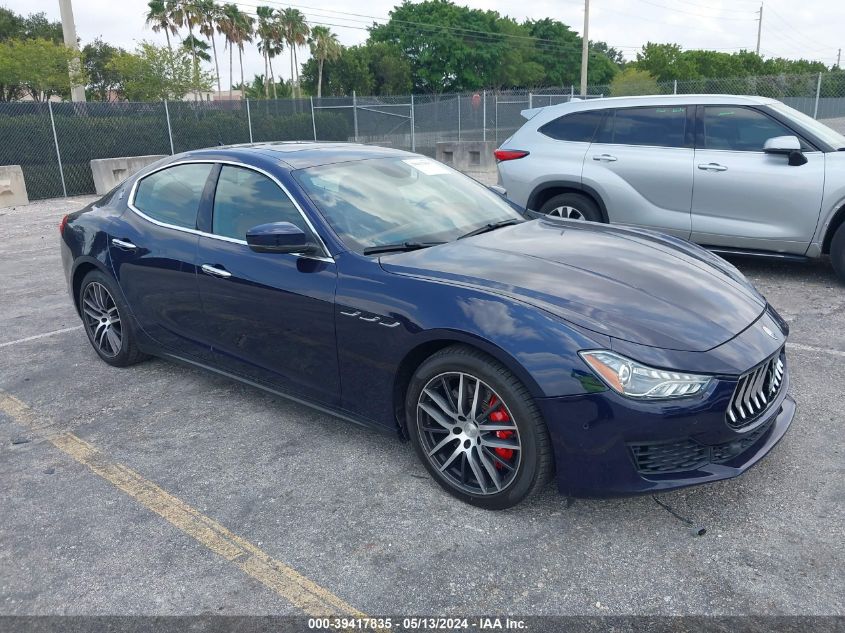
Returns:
<point x="465" y="455"/>
<point x="573" y="206"/>
<point x="837" y="252"/>
<point x="105" y="318"/>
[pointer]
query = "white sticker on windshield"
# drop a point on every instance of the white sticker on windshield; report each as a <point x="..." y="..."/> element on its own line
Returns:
<point x="427" y="166"/>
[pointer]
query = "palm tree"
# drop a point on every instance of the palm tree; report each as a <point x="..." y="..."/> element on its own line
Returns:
<point x="185" y="13"/>
<point x="237" y="27"/>
<point x="268" y="44"/>
<point x="208" y="12"/>
<point x="324" y="46"/>
<point x="160" y="18"/>
<point x="295" y="30"/>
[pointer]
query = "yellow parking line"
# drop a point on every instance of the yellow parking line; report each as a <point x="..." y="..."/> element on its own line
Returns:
<point x="285" y="581"/>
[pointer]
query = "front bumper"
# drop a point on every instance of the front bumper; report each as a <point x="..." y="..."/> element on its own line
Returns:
<point x="597" y="436"/>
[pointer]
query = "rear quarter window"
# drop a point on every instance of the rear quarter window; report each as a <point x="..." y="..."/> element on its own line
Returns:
<point x="577" y="126"/>
<point x="172" y="195"/>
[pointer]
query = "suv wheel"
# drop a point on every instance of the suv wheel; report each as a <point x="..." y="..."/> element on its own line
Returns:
<point x="572" y="206"/>
<point x="837" y="252"/>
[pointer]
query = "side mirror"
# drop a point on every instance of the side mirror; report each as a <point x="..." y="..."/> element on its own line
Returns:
<point x="280" y="237"/>
<point x="787" y="145"/>
<point x="499" y="190"/>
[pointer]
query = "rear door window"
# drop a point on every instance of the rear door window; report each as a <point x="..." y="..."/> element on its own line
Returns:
<point x="172" y="195"/>
<point x="739" y="129"/>
<point x="578" y="126"/>
<point x="663" y="126"/>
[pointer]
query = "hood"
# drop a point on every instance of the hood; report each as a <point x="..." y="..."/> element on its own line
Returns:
<point x="627" y="283"/>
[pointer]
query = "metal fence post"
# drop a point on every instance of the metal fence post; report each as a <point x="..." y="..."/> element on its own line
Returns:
<point x="313" y="120"/>
<point x="496" y="116"/>
<point x="571" y="92"/>
<point x="58" y="153"/>
<point x="675" y="87"/>
<point x="169" y="130"/>
<point x="484" y="115"/>
<point x="459" y="117"/>
<point x="818" y="94"/>
<point x="355" y="113"/>
<point x="413" y="134"/>
<point x="248" y="120"/>
<point x="530" y="100"/>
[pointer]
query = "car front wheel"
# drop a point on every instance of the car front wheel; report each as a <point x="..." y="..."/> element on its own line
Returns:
<point x="572" y="206"/>
<point x="837" y="252"/>
<point x="477" y="430"/>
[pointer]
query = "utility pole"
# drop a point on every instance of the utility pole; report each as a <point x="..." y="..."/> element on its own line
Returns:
<point x="77" y="92"/>
<point x="759" y="28"/>
<point x="585" y="48"/>
<point x="839" y="58"/>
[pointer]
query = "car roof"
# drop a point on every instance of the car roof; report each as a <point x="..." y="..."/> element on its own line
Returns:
<point x="299" y="154"/>
<point x="550" y="112"/>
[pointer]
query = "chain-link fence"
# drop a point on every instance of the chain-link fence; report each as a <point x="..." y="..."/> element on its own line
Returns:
<point x="55" y="142"/>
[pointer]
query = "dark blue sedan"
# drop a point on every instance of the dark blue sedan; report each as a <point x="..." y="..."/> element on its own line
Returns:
<point x="390" y="290"/>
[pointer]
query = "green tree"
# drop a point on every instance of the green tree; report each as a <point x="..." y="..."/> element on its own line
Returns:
<point x="38" y="67"/>
<point x="390" y="71"/>
<point x="350" y="72"/>
<point x="153" y="73"/>
<point x="104" y="83"/>
<point x="324" y="46"/>
<point x="632" y="81"/>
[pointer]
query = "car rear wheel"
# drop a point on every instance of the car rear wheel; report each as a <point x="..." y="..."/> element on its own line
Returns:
<point x="104" y="316"/>
<point x="572" y="206"/>
<point x="837" y="252"/>
<point x="477" y="430"/>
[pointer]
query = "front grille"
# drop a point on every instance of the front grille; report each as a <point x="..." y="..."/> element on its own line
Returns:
<point x="755" y="391"/>
<point x="685" y="455"/>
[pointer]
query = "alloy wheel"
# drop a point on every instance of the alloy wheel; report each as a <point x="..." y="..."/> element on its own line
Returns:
<point x="570" y="213"/>
<point x="102" y="319"/>
<point x="468" y="433"/>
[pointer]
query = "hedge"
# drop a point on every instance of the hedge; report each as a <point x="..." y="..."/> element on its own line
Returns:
<point x="89" y="131"/>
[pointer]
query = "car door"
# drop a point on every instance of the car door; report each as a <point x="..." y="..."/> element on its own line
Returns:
<point x="269" y="316"/>
<point x="745" y="198"/>
<point x="641" y="164"/>
<point x="153" y="249"/>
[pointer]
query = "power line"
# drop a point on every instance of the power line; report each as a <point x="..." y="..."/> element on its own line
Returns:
<point x="700" y="15"/>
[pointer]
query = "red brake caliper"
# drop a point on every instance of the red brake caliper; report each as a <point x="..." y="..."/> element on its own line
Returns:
<point x="497" y="416"/>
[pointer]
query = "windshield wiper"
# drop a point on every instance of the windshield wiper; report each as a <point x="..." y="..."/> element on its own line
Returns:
<point x="401" y="247"/>
<point x="492" y="226"/>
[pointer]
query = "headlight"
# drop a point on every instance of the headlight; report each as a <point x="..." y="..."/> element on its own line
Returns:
<point x="635" y="380"/>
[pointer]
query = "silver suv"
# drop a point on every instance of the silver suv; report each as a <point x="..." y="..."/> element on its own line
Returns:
<point x="736" y="174"/>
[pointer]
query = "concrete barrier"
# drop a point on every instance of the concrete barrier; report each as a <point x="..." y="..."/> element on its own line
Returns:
<point x="12" y="186"/>
<point x="110" y="172"/>
<point x="467" y="156"/>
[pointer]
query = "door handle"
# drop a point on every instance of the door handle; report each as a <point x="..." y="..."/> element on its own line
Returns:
<point x="123" y="244"/>
<point x="712" y="167"/>
<point x="208" y="269"/>
<point x="605" y="158"/>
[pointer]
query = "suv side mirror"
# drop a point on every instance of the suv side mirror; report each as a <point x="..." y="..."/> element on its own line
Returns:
<point x="280" y="237"/>
<point x="787" y="145"/>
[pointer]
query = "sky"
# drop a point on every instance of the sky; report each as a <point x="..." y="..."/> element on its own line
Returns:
<point x="809" y="29"/>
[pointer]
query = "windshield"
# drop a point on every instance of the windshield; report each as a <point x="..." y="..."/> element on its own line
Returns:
<point x="828" y="135"/>
<point x="396" y="200"/>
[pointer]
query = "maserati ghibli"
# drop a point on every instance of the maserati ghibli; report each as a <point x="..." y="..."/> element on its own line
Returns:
<point x="387" y="289"/>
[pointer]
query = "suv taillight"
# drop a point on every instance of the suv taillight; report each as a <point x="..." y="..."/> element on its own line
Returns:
<point x="62" y="225"/>
<point x="509" y="154"/>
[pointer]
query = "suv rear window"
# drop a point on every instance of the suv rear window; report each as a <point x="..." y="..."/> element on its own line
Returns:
<point x="663" y="126"/>
<point x="578" y="126"/>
